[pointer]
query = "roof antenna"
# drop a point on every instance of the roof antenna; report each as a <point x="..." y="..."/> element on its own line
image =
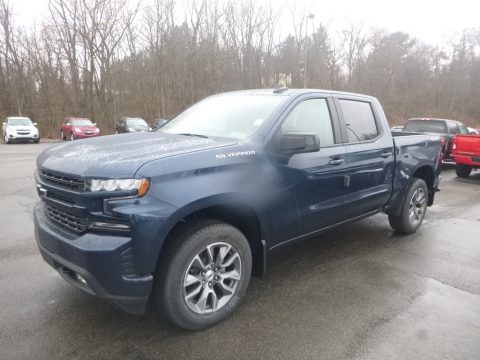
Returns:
<point x="280" y="88"/>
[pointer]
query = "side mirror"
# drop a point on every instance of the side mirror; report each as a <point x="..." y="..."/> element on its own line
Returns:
<point x="94" y="124"/>
<point x="4" y="124"/>
<point x="35" y="124"/>
<point x="299" y="143"/>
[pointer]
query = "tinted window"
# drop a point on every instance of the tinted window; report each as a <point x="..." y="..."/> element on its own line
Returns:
<point x="452" y="127"/>
<point x="456" y="128"/>
<point x="310" y="116"/>
<point x="359" y="119"/>
<point x="462" y="129"/>
<point x="428" y="126"/>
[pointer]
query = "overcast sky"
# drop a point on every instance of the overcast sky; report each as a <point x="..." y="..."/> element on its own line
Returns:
<point x="429" y="20"/>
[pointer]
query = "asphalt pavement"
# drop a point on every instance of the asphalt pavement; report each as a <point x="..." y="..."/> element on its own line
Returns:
<point x="358" y="292"/>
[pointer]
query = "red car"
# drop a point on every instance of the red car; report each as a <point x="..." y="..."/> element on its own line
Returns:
<point x="466" y="151"/>
<point x="78" y="128"/>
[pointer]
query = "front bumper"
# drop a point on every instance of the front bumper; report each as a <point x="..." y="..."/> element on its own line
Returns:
<point x="85" y="136"/>
<point x="20" y="137"/>
<point x="99" y="261"/>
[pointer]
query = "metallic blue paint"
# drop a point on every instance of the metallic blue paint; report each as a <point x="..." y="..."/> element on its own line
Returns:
<point x="291" y="197"/>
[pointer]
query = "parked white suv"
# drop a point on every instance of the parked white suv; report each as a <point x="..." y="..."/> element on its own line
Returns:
<point x="17" y="128"/>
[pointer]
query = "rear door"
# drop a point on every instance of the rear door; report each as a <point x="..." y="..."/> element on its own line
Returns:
<point x="370" y="155"/>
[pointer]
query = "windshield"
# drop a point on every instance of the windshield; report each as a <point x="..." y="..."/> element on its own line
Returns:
<point x="81" y="122"/>
<point x="429" y="126"/>
<point x="19" y="122"/>
<point x="230" y="115"/>
<point x="136" y="122"/>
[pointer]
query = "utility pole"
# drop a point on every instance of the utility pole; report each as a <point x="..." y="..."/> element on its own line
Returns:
<point x="310" y="16"/>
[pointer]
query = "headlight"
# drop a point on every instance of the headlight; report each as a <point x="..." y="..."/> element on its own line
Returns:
<point x="141" y="185"/>
<point x="131" y="129"/>
<point x="97" y="130"/>
<point x="77" y="130"/>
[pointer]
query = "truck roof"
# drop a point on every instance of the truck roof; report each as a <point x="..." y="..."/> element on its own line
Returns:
<point x="295" y="92"/>
<point x="435" y="119"/>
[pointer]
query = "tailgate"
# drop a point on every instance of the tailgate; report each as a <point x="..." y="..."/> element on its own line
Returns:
<point x="467" y="145"/>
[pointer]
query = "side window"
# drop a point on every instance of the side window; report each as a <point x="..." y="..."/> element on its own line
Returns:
<point x="310" y="116"/>
<point x="462" y="129"/>
<point x="453" y="127"/>
<point x="359" y="119"/>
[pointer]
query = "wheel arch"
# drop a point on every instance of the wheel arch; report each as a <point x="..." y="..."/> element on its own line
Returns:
<point x="236" y="213"/>
<point x="427" y="174"/>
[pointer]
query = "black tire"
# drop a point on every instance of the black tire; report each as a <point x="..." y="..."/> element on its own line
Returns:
<point x="463" y="171"/>
<point x="169" y="294"/>
<point x="36" y="141"/>
<point x="403" y="223"/>
<point x="72" y="137"/>
<point x="62" y="135"/>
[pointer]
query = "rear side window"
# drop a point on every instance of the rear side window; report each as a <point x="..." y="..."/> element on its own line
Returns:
<point x="359" y="119"/>
<point x="452" y="127"/>
<point x="311" y="116"/>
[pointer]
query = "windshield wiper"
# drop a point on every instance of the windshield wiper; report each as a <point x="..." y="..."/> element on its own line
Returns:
<point x="195" y="135"/>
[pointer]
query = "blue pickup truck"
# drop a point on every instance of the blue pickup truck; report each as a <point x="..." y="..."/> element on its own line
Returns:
<point x="183" y="216"/>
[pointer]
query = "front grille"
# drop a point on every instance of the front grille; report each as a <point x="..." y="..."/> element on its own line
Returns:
<point x="69" y="221"/>
<point x="23" y="132"/>
<point x="63" y="181"/>
<point x="88" y="132"/>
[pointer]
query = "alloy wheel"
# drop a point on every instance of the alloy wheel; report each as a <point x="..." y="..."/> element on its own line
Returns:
<point x="212" y="278"/>
<point x="418" y="204"/>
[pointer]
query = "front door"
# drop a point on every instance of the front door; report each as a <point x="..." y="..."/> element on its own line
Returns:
<point x="316" y="177"/>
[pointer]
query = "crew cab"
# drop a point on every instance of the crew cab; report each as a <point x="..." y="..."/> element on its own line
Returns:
<point x="466" y="151"/>
<point x="447" y="129"/>
<point x="78" y="128"/>
<point x="19" y="128"/>
<point x="184" y="215"/>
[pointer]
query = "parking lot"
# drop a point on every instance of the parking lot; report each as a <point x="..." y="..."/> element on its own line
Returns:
<point x="358" y="292"/>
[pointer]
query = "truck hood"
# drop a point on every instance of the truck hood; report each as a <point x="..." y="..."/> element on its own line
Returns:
<point x="121" y="155"/>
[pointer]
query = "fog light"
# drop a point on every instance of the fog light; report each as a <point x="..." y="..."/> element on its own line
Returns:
<point x="81" y="279"/>
<point x="109" y="225"/>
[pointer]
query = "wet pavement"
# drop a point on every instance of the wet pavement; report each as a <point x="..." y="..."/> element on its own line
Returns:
<point x="357" y="292"/>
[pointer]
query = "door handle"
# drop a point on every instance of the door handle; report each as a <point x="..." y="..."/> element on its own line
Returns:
<point x="336" y="162"/>
<point x="385" y="154"/>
